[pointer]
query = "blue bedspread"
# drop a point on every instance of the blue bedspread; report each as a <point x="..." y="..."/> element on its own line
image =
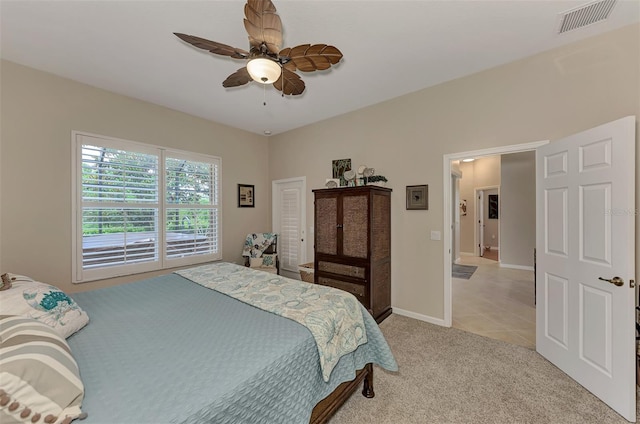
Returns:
<point x="333" y="316"/>
<point x="166" y="350"/>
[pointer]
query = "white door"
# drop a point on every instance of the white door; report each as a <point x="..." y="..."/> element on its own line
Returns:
<point x="586" y="232"/>
<point x="480" y="210"/>
<point x="289" y="217"/>
<point x="455" y="217"/>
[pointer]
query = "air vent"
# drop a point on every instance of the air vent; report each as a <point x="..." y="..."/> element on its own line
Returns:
<point x="585" y="15"/>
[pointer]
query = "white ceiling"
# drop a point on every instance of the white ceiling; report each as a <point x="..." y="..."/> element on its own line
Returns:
<point x="390" y="48"/>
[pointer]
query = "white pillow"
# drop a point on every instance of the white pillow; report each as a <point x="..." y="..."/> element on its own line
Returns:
<point x="43" y="302"/>
<point x="255" y="262"/>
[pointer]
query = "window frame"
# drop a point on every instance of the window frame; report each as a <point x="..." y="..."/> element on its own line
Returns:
<point x="81" y="275"/>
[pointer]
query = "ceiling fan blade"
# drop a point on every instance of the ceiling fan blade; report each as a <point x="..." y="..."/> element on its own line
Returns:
<point x="308" y="58"/>
<point x="213" y="47"/>
<point x="289" y="83"/>
<point x="238" y="78"/>
<point x="289" y="65"/>
<point x="263" y="24"/>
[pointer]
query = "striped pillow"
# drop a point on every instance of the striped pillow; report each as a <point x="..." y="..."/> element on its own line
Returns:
<point x="39" y="378"/>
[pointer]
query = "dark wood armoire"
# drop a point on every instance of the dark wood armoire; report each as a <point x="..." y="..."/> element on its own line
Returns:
<point x="353" y="244"/>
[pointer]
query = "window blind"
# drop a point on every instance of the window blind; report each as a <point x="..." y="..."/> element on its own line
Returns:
<point x="142" y="208"/>
<point x="192" y="214"/>
<point x="119" y="207"/>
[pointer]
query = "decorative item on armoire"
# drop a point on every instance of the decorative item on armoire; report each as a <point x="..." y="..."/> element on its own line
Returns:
<point x="377" y="180"/>
<point x="418" y="197"/>
<point x="332" y="183"/>
<point x="360" y="175"/>
<point x="338" y="167"/>
<point x="367" y="173"/>
<point x="350" y="177"/>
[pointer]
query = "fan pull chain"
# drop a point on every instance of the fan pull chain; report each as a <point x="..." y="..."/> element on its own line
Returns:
<point x="264" y="94"/>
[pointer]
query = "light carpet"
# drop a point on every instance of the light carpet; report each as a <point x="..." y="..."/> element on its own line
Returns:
<point x="451" y="376"/>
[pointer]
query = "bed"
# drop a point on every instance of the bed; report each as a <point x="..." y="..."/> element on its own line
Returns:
<point x="169" y="350"/>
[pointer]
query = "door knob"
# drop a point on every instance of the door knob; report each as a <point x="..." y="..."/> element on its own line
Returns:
<point x="615" y="280"/>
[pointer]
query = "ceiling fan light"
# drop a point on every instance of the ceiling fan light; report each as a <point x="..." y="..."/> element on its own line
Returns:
<point x="264" y="71"/>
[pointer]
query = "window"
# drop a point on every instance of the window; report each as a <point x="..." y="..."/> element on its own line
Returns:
<point x="141" y="208"/>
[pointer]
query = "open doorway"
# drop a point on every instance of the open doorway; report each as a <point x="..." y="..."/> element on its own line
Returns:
<point x="498" y="298"/>
<point x="487" y="221"/>
<point x="495" y="302"/>
<point x="491" y="300"/>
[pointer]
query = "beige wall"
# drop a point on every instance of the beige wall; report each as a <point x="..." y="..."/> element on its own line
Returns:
<point x="481" y="173"/>
<point x="518" y="209"/>
<point x="40" y="110"/>
<point x="546" y="96"/>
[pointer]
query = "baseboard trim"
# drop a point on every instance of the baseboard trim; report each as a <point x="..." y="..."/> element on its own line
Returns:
<point x="467" y="254"/>
<point x="522" y="267"/>
<point x="420" y="317"/>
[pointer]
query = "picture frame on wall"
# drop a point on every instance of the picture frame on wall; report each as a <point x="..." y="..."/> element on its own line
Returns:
<point x="418" y="197"/>
<point x="246" y="196"/>
<point x="493" y="206"/>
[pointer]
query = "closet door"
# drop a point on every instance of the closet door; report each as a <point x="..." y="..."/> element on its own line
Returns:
<point x="288" y="221"/>
<point x="289" y="237"/>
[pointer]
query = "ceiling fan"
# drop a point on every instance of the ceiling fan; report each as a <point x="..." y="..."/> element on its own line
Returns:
<point x="267" y="62"/>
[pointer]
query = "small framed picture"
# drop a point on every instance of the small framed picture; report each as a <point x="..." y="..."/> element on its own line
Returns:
<point x="339" y="167"/>
<point x="246" y="196"/>
<point x="493" y="206"/>
<point x="418" y="197"/>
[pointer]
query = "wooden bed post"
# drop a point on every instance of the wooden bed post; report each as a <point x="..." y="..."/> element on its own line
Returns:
<point x="367" y="386"/>
<point x="329" y="405"/>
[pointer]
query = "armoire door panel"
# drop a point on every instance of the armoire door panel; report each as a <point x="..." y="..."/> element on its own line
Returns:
<point x="327" y="225"/>
<point x="355" y="225"/>
<point x="381" y="227"/>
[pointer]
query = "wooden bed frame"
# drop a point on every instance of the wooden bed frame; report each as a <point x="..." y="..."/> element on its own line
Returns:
<point x="329" y="405"/>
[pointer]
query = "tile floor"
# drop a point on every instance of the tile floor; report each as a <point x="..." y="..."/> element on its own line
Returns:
<point x="496" y="302"/>
<point x="490" y="254"/>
